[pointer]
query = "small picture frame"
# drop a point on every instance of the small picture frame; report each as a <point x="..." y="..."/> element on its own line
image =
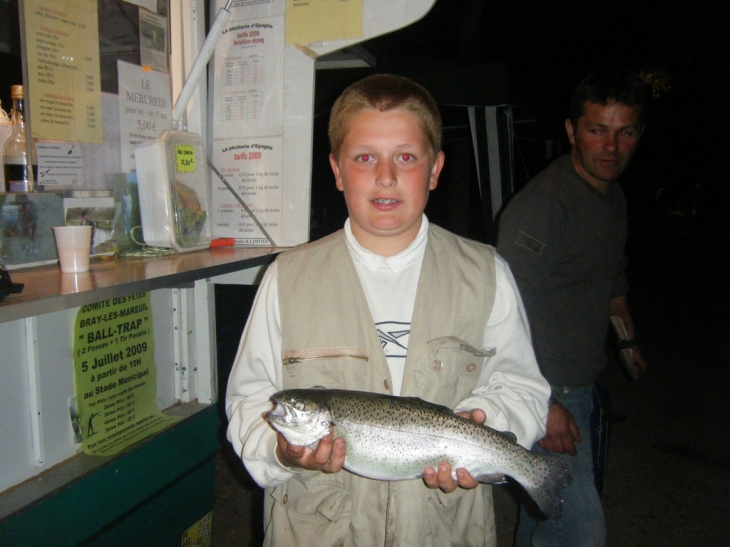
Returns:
<point x="101" y="220"/>
<point x="26" y="219"/>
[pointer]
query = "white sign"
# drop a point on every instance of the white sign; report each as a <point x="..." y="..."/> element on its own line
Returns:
<point x="253" y="168"/>
<point x="145" y="108"/>
<point x="59" y="163"/>
<point x="153" y="40"/>
<point x="249" y="77"/>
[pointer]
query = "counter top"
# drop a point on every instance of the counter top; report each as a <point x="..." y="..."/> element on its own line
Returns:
<point x="47" y="289"/>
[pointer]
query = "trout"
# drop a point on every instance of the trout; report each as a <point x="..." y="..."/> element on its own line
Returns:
<point x="395" y="438"/>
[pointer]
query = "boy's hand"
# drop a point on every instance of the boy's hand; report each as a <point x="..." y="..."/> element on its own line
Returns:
<point x="329" y="456"/>
<point x="442" y="478"/>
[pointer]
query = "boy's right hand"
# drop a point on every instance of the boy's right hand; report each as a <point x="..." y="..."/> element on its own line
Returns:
<point x="329" y="456"/>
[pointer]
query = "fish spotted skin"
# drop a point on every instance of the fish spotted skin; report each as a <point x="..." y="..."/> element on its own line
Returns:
<point x="396" y="438"/>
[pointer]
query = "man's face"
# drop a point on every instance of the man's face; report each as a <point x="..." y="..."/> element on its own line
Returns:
<point x="604" y="141"/>
<point x="386" y="169"/>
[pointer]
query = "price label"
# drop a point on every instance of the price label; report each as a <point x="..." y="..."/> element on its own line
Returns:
<point x="185" y="158"/>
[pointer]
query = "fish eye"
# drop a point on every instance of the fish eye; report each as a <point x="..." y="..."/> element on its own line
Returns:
<point x="299" y="406"/>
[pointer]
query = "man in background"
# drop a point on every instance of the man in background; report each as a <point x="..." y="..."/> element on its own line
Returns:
<point x="563" y="236"/>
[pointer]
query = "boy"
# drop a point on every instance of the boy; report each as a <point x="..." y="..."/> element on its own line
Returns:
<point x="389" y="304"/>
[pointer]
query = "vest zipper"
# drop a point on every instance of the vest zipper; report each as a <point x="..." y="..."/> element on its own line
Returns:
<point x="344" y="355"/>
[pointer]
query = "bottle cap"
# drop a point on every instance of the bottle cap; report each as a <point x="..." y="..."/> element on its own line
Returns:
<point x="16" y="92"/>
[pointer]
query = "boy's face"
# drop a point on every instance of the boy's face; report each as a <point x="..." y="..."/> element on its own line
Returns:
<point x="386" y="169"/>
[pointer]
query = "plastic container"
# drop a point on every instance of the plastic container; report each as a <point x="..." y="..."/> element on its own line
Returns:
<point x="173" y="187"/>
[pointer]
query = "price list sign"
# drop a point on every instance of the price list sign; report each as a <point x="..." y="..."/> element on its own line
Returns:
<point x="145" y="108"/>
<point x="115" y="374"/>
<point x="62" y="41"/>
<point x="253" y="168"/>
<point x="249" y="78"/>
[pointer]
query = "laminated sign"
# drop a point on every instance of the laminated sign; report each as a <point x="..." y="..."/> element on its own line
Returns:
<point x="115" y="374"/>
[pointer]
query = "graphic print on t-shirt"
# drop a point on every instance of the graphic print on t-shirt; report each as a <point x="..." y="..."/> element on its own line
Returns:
<point x="394" y="338"/>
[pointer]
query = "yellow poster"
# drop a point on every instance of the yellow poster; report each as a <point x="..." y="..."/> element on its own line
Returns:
<point x="115" y="374"/>
<point x="199" y="534"/>
<point x="62" y="44"/>
<point x="309" y="21"/>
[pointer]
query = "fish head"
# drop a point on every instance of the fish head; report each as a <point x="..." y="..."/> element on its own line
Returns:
<point x="300" y="419"/>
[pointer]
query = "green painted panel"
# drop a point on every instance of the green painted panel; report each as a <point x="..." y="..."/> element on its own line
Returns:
<point x="160" y="487"/>
<point x="161" y="521"/>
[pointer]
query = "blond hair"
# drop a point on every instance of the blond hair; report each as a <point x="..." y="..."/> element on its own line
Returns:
<point x="384" y="92"/>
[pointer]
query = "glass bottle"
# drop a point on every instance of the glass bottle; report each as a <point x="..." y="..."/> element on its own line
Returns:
<point x="18" y="178"/>
<point x="6" y="129"/>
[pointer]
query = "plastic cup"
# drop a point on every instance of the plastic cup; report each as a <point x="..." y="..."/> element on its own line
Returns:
<point x="76" y="282"/>
<point x="73" y="244"/>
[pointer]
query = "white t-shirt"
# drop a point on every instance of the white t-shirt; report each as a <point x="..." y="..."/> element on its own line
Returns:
<point x="390" y="285"/>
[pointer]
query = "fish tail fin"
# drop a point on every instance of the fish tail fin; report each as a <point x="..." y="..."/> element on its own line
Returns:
<point x="551" y="474"/>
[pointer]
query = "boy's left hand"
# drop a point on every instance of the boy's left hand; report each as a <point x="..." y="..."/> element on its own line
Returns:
<point x="442" y="478"/>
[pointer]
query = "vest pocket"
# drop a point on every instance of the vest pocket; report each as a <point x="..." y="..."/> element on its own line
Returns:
<point x="456" y="365"/>
<point x="310" y="512"/>
<point x="331" y="367"/>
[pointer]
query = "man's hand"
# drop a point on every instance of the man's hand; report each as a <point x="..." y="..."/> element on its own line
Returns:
<point x="640" y="365"/>
<point x="562" y="432"/>
<point x="442" y="478"/>
<point x="620" y="308"/>
<point x="328" y="456"/>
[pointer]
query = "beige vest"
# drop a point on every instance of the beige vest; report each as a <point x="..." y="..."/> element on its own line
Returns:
<point x="329" y="340"/>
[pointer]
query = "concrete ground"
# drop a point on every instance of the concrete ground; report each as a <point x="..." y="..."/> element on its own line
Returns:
<point x="668" y="473"/>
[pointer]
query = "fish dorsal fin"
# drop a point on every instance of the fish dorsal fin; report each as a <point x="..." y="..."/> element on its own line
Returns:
<point x="508" y="435"/>
<point x="425" y="404"/>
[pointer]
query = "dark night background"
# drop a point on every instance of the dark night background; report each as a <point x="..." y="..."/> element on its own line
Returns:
<point x="533" y="53"/>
